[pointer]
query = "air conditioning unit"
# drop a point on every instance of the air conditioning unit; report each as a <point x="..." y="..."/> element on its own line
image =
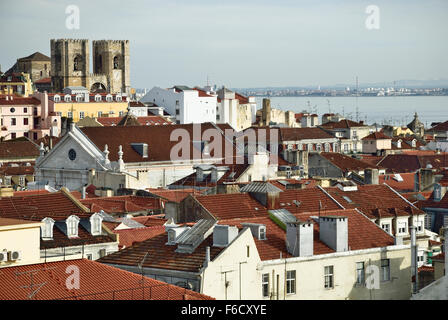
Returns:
<point x="3" y="256"/>
<point x="14" y="255"/>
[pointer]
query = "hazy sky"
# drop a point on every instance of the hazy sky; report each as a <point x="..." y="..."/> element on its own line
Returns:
<point x="245" y="43"/>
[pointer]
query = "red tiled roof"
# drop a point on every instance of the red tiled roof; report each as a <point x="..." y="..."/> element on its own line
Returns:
<point x="343" y="124"/>
<point x="441" y="127"/>
<point x="376" y="136"/>
<point x="13" y="149"/>
<point x="157" y="138"/>
<point x="425" y="269"/>
<point x="296" y="134"/>
<point x="12" y="222"/>
<point x="374" y="201"/>
<point x="145" y="121"/>
<point x="129" y="237"/>
<point x="406" y="185"/>
<point x="162" y="256"/>
<point x="373" y="160"/>
<point x="176" y="195"/>
<point x="21" y="169"/>
<point x="346" y="163"/>
<point x="401" y="163"/>
<point x="440" y="256"/>
<point x="304" y="183"/>
<point x="151" y="221"/>
<point x="434" y="243"/>
<point x="56" y="205"/>
<point x="97" y="282"/>
<point x="30" y="192"/>
<point x="121" y="204"/>
<point x="242" y="99"/>
<point x="43" y="80"/>
<point x="202" y="93"/>
<point x="228" y="206"/>
<point x="19" y="101"/>
<point x="362" y="234"/>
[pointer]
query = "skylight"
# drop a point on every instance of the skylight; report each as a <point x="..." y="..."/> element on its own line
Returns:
<point x="347" y="199"/>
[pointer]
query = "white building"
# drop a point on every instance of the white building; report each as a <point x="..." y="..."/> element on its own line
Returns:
<point x="186" y="104"/>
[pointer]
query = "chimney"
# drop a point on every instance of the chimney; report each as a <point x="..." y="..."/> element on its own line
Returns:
<point x="214" y="174"/>
<point x="426" y="178"/>
<point x="199" y="174"/>
<point x="223" y="235"/>
<point x="83" y="194"/>
<point x="300" y="238"/>
<point x="334" y="232"/>
<point x="266" y="111"/>
<point x="207" y="256"/>
<point x="371" y="176"/>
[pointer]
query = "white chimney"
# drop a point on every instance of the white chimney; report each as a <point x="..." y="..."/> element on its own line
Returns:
<point x="223" y="235"/>
<point x="300" y="238"/>
<point x="334" y="232"/>
<point x="207" y="256"/>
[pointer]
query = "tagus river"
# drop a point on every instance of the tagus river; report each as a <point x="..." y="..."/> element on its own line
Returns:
<point x="397" y="110"/>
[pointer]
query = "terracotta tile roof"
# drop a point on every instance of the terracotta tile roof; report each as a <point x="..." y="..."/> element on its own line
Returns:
<point x="425" y="269"/>
<point x="441" y="127"/>
<point x="30" y="192"/>
<point x="175" y="195"/>
<point x="152" y="220"/>
<point x="19" y="101"/>
<point x="374" y="201"/>
<point x="12" y="222"/>
<point x="309" y="199"/>
<point x="122" y="204"/>
<point x="43" y="80"/>
<point x="376" y="136"/>
<point x="372" y="160"/>
<point x="439" y="257"/>
<point x="144" y="121"/>
<point x="401" y="163"/>
<point x="21" y="169"/>
<point x="406" y="185"/>
<point x="296" y="134"/>
<point x="202" y="93"/>
<point x="97" y="282"/>
<point x="292" y="183"/>
<point x="36" y="56"/>
<point x="13" y="149"/>
<point x="56" y="205"/>
<point x="162" y="256"/>
<point x="228" y="206"/>
<point x="434" y="243"/>
<point x="242" y="99"/>
<point x="343" y="124"/>
<point x="430" y="203"/>
<point x="346" y="163"/>
<point x="157" y="138"/>
<point x="129" y="237"/>
<point x="362" y="234"/>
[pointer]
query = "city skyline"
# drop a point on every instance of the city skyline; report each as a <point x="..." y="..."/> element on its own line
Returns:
<point x="286" y="43"/>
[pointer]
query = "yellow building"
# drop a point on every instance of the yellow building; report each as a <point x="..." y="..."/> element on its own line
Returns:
<point x="81" y="105"/>
<point x="16" y="83"/>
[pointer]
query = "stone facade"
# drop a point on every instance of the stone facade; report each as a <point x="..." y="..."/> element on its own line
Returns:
<point x="70" y="65"/>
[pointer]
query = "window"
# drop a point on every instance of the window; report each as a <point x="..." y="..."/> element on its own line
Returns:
<point x="345" y="147"/>
<point x="319" y="147"/>
<point x="177" y="112"/>
<point x="25" y="110"/>
<point x="81" y="115"/>
<point x="419" y="226"/>
<point x="121" y="113"/>
<point x="262" y="233"/>
<point x="386" y="227"/>
<point x="22" y="180"/>
<point x="327" y="147"/>
<point x="116" y="66"/>
<point x="57" y="98"/>
<point x="89" y="256"/>
<point x="265" y="284"/>
<point x="102" y="253"/>
<point x="13" y="135"/>
<point x="310" y="147"/>
<point x="68" y="98"/>
<point x="177" y="103"/>
<point x="291" y="282"/>
<point x="70" y="114"/>
<point x="97" y="98"/>
<point x="385" y="269"/>
<point x="25" y="121"/>
<point x="13" y="121"/>
<point x="109" y="98"/>
<point x="72" y="226"/>
<point x="401" y="227"/>
<point x="329" y="277"/>
<point x="248" y="251"/>
<point x="118" y="98"/>
<point x="47" y="228"/>
<point x="95" y="221"/>
<point x="79" y="98"/>
<point x="360" y="273"/>
<point x="12" y="110"/>
<point x="100" y="113"/>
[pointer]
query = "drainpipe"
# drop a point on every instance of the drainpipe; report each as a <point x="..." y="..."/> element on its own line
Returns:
<point x="414" y="262"/>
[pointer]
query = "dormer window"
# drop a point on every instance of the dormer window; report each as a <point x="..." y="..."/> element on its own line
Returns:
<point x="97" y="98"/>
<point x="109" y="98"/>
<point x="118" y="98"/>
<point x="47" y="229"/>
<point x="399" y="143"/>
<point x="72" y="223"/>
<point x="262" y="233"/>
<point x="414" y="143"/>
<point x="95" y="224"/>
<point x="67" y="98"/>
<point x="171" y="236"/>
<point x="437" y="192"/>
<point x="79" y="98"/>
<point x="57" y="98"/>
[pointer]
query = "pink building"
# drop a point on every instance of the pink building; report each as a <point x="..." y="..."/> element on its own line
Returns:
<point x="26" y="117"/>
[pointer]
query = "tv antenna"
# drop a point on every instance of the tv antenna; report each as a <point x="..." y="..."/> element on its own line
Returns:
<point x="34" y="287"/>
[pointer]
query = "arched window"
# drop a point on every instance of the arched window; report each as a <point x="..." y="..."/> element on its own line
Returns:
<point x="118" y="98"/>
<point x="47" y="228"/>
<point x="97" y="97"/>
<point x="72" y="226"/>
<point x="116" y="63"/>
<point x="95" y="224"/>
<point x="77" y="63"/>
<point x="67" y="98"/>
<point x="57" y="98"/>
<point x="109" y="98"/>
